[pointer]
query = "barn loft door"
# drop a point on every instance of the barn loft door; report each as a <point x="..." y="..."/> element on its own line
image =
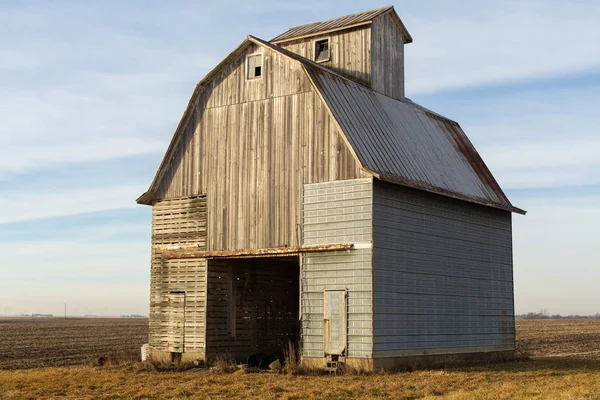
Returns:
<point x="176" y="322"/>
<point x="334" y="324"/>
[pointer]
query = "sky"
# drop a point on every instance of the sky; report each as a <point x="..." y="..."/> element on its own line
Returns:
<point x="91" y="93"/>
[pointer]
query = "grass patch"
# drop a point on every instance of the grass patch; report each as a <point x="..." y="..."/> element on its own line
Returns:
<point x="559" y="359"/>
<point x="542" y="378"/>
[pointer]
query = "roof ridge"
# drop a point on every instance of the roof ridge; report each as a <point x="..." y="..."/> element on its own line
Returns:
<point x="425" y="109"/>
<point x="380" y="10"/>
<point x="301" y="59"/>
<point x="320" y="67"/>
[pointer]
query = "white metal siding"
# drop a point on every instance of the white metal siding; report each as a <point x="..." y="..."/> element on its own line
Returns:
<point x="338" y="212"/>
<point x="442" y="274"/>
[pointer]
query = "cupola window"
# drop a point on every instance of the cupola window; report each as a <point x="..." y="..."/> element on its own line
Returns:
<point x="322" y="50"/>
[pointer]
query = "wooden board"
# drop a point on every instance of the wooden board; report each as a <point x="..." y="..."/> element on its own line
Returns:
<point x="265" y="298"/>
<point x="178" y="222"/>
<point x="250" y="146"/>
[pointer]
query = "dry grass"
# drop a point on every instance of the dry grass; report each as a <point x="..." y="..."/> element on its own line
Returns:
<point x="556" y="378"/>
<point x="224" y="364"/>
<point x="551" y="373"/>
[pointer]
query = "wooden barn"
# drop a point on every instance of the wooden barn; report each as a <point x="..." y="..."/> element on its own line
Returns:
<point x="304" y="198"/>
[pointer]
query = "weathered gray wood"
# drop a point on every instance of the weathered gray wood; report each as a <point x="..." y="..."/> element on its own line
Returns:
<point x="265" y="302"/>
<point x="387" y="56"/>
<point x="371" y="54"/>
<point x="178" y="287"/>
<point x="249" y="253"/>
<point x="350" y="52"/>
<point x="252" y="144"/>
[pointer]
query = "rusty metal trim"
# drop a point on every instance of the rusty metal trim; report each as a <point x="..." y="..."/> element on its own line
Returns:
<point x="258" y="252"/>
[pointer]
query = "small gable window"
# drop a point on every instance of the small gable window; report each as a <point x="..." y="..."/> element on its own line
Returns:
<point x="254" y="66"/>
<point x="322" y="50"/>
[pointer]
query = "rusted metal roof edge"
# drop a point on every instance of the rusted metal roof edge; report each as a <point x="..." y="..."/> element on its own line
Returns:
<point x="147" y="197"/>
<point x="447" y="193"/>
<point x="478" y="165"/>
<point x="258" y="252"/>
<point x="309" y="65"/>
<point x="477" y="162"/>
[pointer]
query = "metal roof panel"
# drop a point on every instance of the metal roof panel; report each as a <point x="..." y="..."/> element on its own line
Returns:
<point x="333" y="24"/>
<point x="405" y="143"/>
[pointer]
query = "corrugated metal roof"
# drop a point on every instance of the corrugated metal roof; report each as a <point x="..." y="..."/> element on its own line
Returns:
<point x="334" y="24"/>
<point x="407" y="144"/>
<point x="403" y="142"/>
<point x="400" y="141"/>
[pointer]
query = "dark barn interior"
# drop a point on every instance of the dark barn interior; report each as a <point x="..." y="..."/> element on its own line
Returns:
<point x="252" y="306"/>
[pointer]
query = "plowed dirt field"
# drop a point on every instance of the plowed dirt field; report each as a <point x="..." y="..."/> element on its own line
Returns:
<point x="53" y="342"/>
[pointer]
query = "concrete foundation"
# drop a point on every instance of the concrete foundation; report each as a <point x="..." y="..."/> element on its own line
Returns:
<point x="416" y="362"/>
<point x="162" y="356"/>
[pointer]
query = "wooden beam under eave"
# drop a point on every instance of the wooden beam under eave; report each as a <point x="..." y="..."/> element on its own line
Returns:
<point x="260" y="252"/>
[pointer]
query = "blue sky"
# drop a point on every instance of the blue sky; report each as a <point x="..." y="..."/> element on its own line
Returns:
<point x="91" y="93"/>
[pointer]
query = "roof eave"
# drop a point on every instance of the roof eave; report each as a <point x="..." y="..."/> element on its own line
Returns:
<point x="182" y="121"/>
<point x="427" y="188"/>
<point x="145" y="199"/>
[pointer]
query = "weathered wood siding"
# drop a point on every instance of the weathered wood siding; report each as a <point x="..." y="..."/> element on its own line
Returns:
<point x="387" y="57"/>
<point x="250" y="147"/>
<point x="265" y="298"/>
<point x="442" y="274"/>
<point x="350" y="52"/>
<point x="371" y="54"/>
<point x="338" y="212"/>
<point x="178" y="222"/>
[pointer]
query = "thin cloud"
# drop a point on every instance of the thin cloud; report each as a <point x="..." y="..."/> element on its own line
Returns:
<point x="509" y="42"/>
<point x="52" y="155"/>
<point x="30" y="205"/>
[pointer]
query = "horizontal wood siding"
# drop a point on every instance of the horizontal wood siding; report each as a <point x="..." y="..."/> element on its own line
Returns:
<point x="265" y="295"/>
<point x="442" y="274"/>
<point x="350" y="52"/>
<point x="251" y="157"/>
<point x="178" y="222"/>
<point x="338" y="212"/>
<point x="387" y="57"/>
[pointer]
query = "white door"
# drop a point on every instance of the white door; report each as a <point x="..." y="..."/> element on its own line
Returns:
<point x="334" y="324"/>
<point x="176" y="322"/>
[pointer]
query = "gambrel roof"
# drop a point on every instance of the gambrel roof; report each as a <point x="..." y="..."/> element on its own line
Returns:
<point x="395" y="141"/>
<point x="340" y="23"/>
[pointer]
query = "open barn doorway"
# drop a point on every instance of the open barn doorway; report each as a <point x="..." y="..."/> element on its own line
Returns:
<point x="252" y="306"/>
